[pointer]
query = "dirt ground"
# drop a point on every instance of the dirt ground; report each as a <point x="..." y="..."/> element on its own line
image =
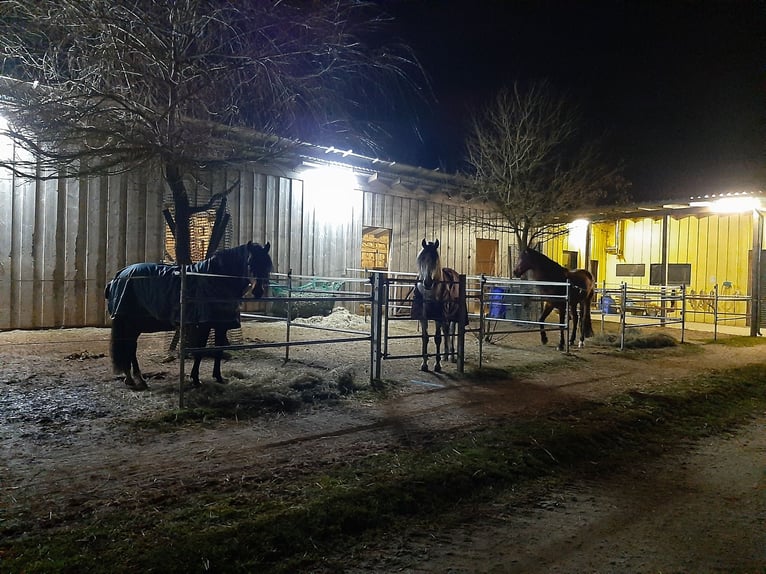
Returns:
<point x="66" y="447"/>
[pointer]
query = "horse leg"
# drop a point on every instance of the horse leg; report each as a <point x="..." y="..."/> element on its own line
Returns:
<point x="424" y="348"/>
<point x="139" y="383"/>
<point x="221" y="340"/>
<point x="438" y="341"/>
<point x="575" y="320"/>
<point x="546" y="311"/>
<point x="124" y="345"/>
<point x="198" y="336"/>
<point x="450" y="334"/>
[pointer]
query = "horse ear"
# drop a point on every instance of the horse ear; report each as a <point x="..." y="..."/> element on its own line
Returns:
<point x="436" y="244"/>
<point x="267" y="246"/>
<point x="423" y="243"/>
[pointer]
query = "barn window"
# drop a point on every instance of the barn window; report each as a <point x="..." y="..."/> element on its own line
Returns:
<point x="630" y="270"/>
<point x="678" y="274"/>
<point x="376" y="244"/>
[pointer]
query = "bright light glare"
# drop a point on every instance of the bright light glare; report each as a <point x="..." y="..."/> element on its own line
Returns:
<point x="332" y="193"/>
<point x="735" y="204"/>
<point x="578" y="230"/>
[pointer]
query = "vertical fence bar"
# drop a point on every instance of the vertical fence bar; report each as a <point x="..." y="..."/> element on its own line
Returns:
<point x="624" y="298"/>
<point x="683" y="311"/>
<point x="379" y="289"/>
<point x="289" y="308"/>
<point x="482" y="286"/>
<point x="715" y="312"/>
<point x="182" y="339"/>
<point x="461" y="325"/>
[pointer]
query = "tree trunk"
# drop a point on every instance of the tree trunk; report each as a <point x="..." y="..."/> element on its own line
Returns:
<point x="182" y="213"/>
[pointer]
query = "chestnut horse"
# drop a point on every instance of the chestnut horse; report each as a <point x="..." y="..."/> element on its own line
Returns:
<point x="581" y="291"/>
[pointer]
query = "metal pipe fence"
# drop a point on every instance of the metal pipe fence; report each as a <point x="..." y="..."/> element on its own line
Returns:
<point x="513" y="306"/>
<point x="644" y="306"/>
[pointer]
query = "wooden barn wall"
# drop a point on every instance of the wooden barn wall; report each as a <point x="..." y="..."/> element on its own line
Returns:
<point x="412" y="219"/>
<point x="62" y="240"/>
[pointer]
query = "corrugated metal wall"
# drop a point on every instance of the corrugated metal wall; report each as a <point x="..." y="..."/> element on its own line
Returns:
<point x="61" y="241"/>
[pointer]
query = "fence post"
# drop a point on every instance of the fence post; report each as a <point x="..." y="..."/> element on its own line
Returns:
<point x="482" y="285"/>
<point x="624" y="298"/>
<point x="289" y="312"/>
<point x="182" y="339"/>
<point x="715" y="312"/>
<point x="566" y="316"/>
<point x="683" y="311"/>
<point x="461" y="325"/>
<point x="376" y="316"/>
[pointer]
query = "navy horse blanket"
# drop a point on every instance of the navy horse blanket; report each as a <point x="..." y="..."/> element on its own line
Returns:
<point x="153" y="291"/>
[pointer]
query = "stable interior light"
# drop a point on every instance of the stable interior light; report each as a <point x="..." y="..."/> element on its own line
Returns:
<point x="331" y="192"/>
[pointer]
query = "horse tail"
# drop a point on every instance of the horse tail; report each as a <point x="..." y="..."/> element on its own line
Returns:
<point x="122" y="346"/>
<point x="587" y="325"/>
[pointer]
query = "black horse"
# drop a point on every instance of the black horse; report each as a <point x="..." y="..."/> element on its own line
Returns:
<point x="581" y="291"/>
<point x="437" y="298"/>
<point x="145" y="298"/>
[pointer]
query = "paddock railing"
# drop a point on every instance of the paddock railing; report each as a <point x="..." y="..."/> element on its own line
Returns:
<point x="386" y="298"/>
<point x="497" y="307"/>
<point x="513" y="306"/>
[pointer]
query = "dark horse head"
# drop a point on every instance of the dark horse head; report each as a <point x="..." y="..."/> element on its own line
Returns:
<point x="249" y="264"/>
<point x="259" y="266"/>
<point x="429" y="265"/>
<point x="531" y="259"/>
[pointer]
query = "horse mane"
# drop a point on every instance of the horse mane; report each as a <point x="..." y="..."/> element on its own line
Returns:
<point x="437" y="272"/>
<point x="223" y="260"/>
<point x="545" y="262"/>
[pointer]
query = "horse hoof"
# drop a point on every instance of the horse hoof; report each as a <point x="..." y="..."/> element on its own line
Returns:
<point x="136" y="385"/>
<point x="424" y="368"/>
<point x="437" y="369"/>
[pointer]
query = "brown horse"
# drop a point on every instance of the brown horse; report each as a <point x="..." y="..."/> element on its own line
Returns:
<point x="541" y="268"/>
<point x="437" y="298"/>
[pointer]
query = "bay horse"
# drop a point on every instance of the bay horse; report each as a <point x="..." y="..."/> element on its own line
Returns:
<point x="581" y="291"/>
<point x="145" y="298"/>
<point x="437" y="298"/>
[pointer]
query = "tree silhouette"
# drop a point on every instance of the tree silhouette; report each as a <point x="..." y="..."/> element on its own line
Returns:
<point x="532" y="160"/>
<point x="107" y="86"/>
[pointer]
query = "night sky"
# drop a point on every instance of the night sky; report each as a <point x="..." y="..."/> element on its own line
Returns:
<point x="680" y="86"/>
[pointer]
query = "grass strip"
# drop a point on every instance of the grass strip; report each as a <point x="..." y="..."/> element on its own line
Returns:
<point x="291" y="526"/>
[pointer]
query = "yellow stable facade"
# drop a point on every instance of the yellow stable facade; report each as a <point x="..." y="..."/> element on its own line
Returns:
<point x="710" y="254"/>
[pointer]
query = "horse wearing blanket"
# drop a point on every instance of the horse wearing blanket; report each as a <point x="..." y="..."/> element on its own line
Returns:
<point x="145" y="298"/>
<point x="437" y="298"/>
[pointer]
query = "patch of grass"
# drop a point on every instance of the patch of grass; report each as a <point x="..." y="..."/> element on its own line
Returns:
<point x="741" y="341"/>
<point x="284" y="524"/>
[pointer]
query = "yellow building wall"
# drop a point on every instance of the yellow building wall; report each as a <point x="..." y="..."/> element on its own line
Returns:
<point x="716" y="246"/>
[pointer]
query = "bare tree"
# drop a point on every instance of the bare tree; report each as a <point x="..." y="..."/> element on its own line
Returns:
<point x="532" y="161"/>
<point x="105" y="86"/>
